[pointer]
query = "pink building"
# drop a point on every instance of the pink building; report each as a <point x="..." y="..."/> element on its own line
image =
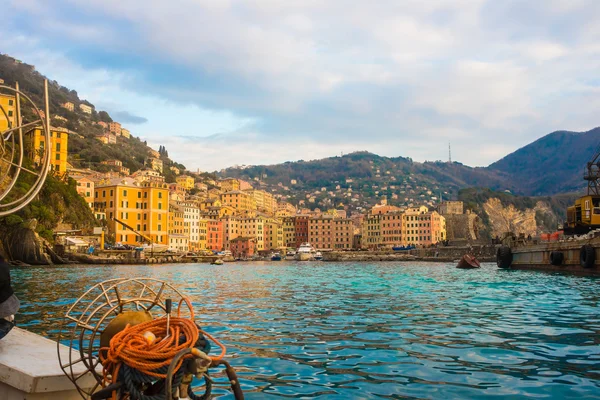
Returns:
<point x="391" y="229"/>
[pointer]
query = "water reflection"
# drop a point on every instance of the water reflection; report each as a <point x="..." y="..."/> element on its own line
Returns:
<point x="373" y="330"/>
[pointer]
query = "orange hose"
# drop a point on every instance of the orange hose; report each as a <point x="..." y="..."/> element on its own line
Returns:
<point x="131" y="348"/>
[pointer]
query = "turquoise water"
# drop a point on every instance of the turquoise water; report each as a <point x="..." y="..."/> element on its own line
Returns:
<point x="373" y="330"/>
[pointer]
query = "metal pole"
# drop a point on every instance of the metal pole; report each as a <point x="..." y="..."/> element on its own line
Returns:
<point x="46" y="100"/>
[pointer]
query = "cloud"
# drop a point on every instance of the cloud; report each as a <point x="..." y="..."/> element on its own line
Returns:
<point x="126" y="118"/>
<point x="401" y="78"/>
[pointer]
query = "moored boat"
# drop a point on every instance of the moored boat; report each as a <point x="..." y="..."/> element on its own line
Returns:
<point x="305" y="252"/>
<point x="318" y="255"/>
<point x="275" y="257"/>
<point x="155" y="248"/>
<point x="218" y="261"/>
<point x="468" y="262"/>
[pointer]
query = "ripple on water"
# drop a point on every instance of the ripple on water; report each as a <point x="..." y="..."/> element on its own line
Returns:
<point x="371" y="330"/>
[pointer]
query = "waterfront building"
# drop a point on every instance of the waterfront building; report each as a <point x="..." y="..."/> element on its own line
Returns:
<point x="329" y="233"/>
<point x="185" y="181"/>
<point x="422" y="227"/>
<point x="85" y="108"/>
<point x="68" y="105"/>
<point x="241" y="201"/>
<point x="254" y="227"/>
<point x="273" y="235"/>
<point x="391" y="229"/>
<point x="242" y="247"/>
<point x="59" y="142"/>
<point x="215" y="235"/>
<point x="179" y="235"/>
<point x="142" y="206"/>
<point x="85" y="188"/>
<point x="371" y="231"/>
<point x="192" y="222"/>
<point x="300" y="229"/>
<point x="202" y="234"/>
<point x="125" y="133"/>
<point x="114" y="128"/>
<point x="289" y="232"/>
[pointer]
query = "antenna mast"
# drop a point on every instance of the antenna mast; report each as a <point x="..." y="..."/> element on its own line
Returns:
<point x="449" y="154"/>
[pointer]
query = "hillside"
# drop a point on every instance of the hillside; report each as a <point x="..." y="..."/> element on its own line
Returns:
<point x="360" y="179"/>
<point x="85" y="151"/>
<point x="552" y="164"/>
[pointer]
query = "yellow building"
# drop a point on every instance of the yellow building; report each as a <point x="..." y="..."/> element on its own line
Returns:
<point x="255" y="228"/>
<point x="125" y="133"/>
<point x="202" y="234"/>
<point x="273" y="234"/>
<point x="229" y="184"/>
<point x="144" y="207"/>
<point x="241" y="201"/>
<point x="8" y="104"/>
<point x="265" y="202"/>
<point x="59" y="142"/>
<point x="185" y="181"/>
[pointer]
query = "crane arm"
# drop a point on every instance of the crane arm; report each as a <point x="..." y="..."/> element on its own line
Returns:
<point x="150" y="241"/>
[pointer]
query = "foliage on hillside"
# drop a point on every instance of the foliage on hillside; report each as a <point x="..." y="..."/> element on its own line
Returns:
<point x="57" y="202"/>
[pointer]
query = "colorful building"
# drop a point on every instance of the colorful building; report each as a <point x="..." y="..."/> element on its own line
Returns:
<point x="241" y="201"/>
<point x="300" y="230"/>
<point x="229" y="184"/>
<point x="68" y="105"/>
<point x="215" y="235"/>
<point x="8" y="103"/>
<point x="422" y="227"/>
<point x="85" y="108"/>
<point x="85" y="188"/>
<point x="242" y="247"/>
<point x="391" y="229"/>
<point x="231" y="230"/>
<point x="289" y="232"/>
<point x="107" y="138"/>
<point x="371" y="231"/>
<point x="179" y="234"/>
<point x="329" y="233"/>
<point x="35" y="143"/>
<point x="185" y="181"/>
<point x="125" y="133"/>
<point x="142" y="206"/>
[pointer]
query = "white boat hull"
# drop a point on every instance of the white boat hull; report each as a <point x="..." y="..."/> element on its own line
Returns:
<point x="304" y="257"/>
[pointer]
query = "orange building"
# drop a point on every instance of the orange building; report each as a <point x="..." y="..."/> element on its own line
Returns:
<point x="215" y="235"/>
<point x="391" y="229"/>
<point x="85" y="188"/>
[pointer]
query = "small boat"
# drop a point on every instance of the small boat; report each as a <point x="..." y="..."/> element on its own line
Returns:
<point x="468" y="262"/>
<point x="290" y="255"/>
<point x="218" y="261"/>
<point x="275" y="257"/>
<point x="403" y="248"/>
<point x="318" y="255"/>
<point x="155" y="248"/>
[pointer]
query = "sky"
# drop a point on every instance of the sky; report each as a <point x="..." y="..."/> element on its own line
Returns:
<point x="226" y="82"/>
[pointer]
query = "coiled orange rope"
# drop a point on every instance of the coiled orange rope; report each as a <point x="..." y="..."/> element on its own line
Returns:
<point x="133" y="349"/>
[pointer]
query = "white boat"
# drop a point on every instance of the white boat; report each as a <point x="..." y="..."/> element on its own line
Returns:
<point x="318" y="255"/>
<point x="305" y="253"/>
<point x="290" y="255"/>
<point x="155" y="248"/>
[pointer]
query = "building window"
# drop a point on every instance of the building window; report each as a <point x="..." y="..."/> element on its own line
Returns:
<point x="58" y="157"/>
<point x="124" y="193"/>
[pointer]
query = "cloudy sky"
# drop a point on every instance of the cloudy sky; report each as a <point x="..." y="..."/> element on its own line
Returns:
<point x="225" y="82"/>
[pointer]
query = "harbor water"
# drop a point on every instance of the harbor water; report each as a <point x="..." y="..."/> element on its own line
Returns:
<point x="371" y="330"/>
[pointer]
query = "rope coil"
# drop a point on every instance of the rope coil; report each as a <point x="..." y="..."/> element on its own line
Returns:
<point x="153" y="358"/>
